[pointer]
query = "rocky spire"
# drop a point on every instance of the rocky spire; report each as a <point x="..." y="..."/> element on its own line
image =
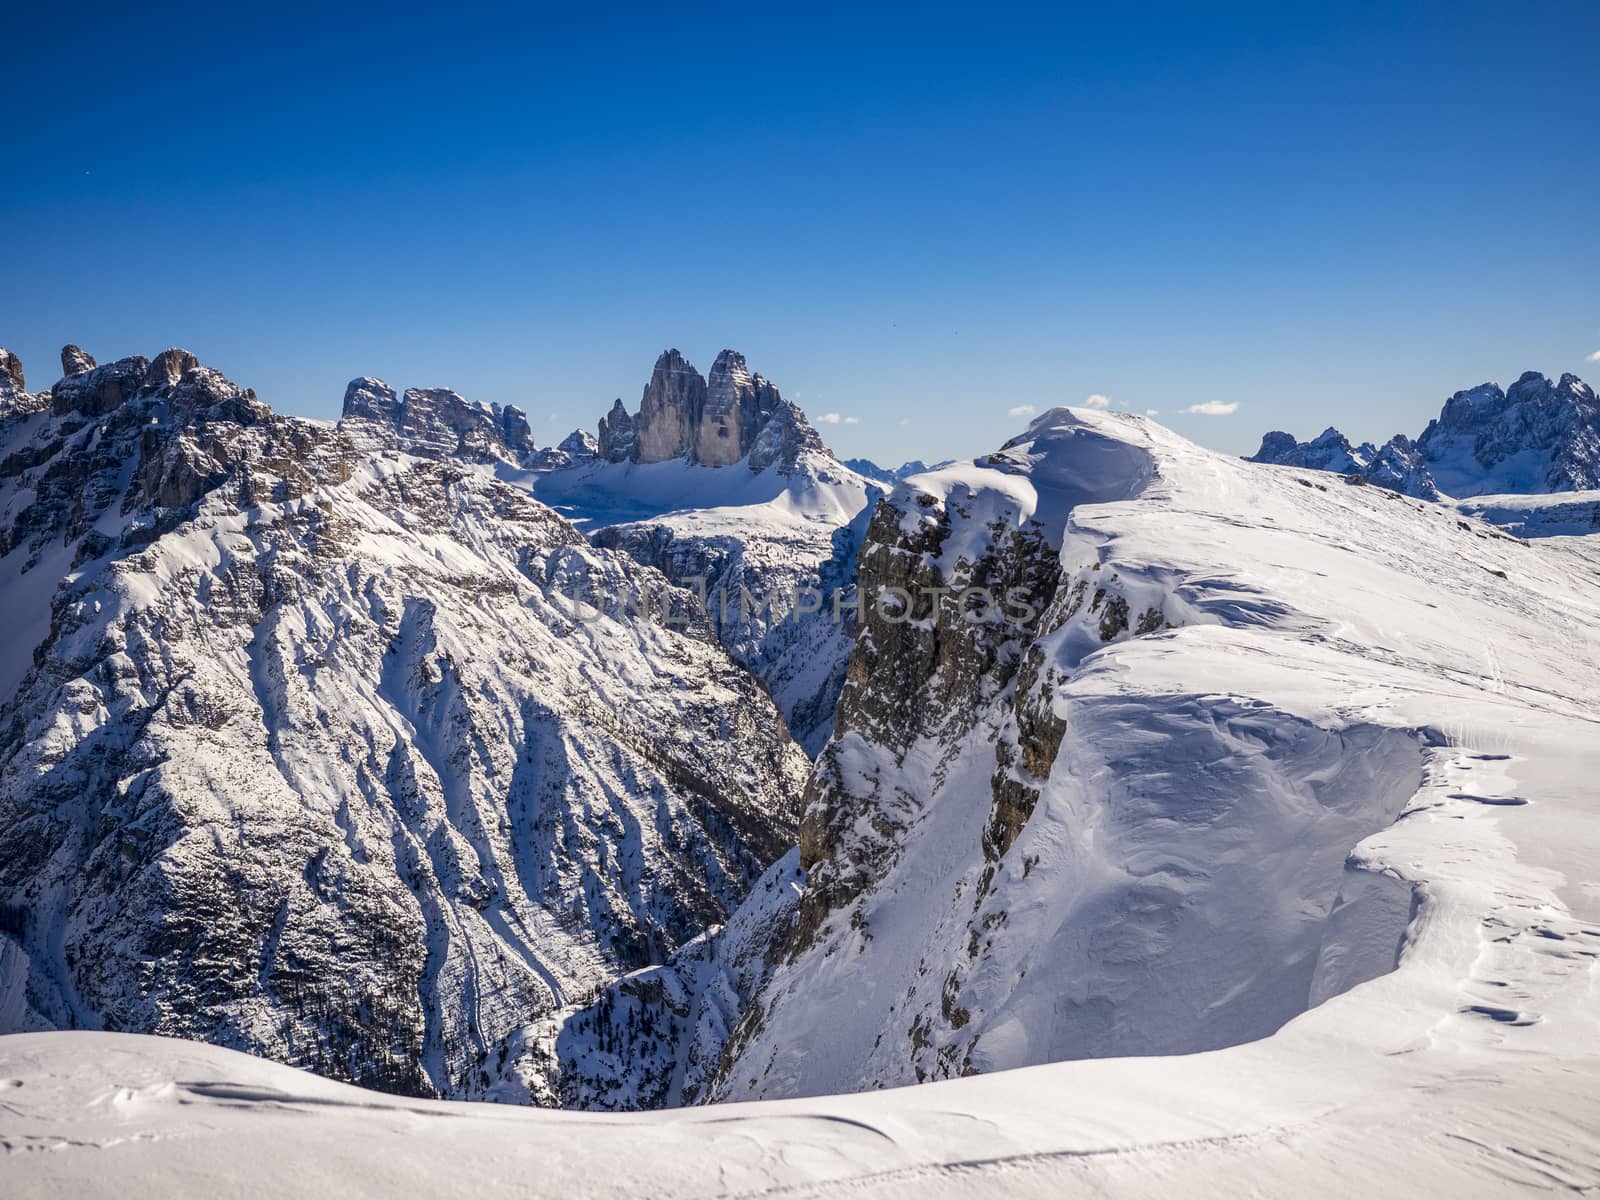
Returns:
<point x="168" y="367"/>
<point x="737" y="406"/>
<point x="432" y="423"/>
<point x="782" y="439"/>
<point x="670" y="410"/>
<point x="11" y="370"/>
<point x="714" y="421"/>
<point x="619" y="438"/>
<point x="75" y="360"/>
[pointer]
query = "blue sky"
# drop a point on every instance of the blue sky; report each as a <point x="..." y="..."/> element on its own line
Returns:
<point x="918" y="219"/>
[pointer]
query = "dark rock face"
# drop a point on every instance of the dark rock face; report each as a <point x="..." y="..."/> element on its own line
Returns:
<point x="909" y="679"/>
<point x="619" y="439"/>
<point x="1535" y="436"/>
<point x="11" y="370"/>
<point x="433" y="423"/>
<point x="75" y="360"/>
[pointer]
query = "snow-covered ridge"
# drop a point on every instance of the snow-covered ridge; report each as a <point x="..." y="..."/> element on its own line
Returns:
<point x="1160" y="823"/>
<point x="1536" y="436"/>
<point x="305" y="751"/>
<point x="1164" y="784"/>
<point x="726" y="488"/>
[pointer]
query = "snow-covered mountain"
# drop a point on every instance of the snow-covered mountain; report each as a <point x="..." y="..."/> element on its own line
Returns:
<point x="768" y="535"/>
<point x="868" y="469"/>
<point x="1283" y="767"/>
<point x="1535" y="436"/>
<point x="1155" y="814"/>
<point x="309" y="751"/>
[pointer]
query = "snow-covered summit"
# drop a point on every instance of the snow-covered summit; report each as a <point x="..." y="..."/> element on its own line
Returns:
<point x="1534" y="437"/>
<point x="317" y="746"/>
<point x="1271" y="765"/>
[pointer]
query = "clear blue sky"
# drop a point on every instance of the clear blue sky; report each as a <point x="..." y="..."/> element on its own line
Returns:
<point x="918" y="219"/>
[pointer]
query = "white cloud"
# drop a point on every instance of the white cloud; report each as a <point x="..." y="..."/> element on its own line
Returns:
<point x="1152" y="412"/>
<point x="852" y="420"/>
<point x="1098" y="401"/>
<point x="838" y="419"/>
<point x="1214" y="408"/>
<point x="1021" y="410"/>
<point x="905" y="420"/>
<point x="1595" y="357"/>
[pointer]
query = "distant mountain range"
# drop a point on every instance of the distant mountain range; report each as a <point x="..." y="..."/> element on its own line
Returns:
<point x="1533" y="437"/>
<point x="871" y="470"/>
<point x="308" y="749"/>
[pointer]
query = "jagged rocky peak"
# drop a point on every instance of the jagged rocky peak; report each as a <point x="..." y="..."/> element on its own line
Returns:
<point x="714" y="421"/>
<point x="15" y="399"/>
<point x="738" y="405"/>
<point x="670" y="410"/>
<point x="168" y="367"/>
<point x="11" y="371"/>
<point x="75" y="360"/>
<point x="98" y="390"/>
<point x="1535" y="436"/>
<point x="433" y="423"/>
<point x="162" y="435"/>
<point x="784" y="437"/>
<point x="381" y="760"/>
<point x="619" y="438"/>
<point x="871" y="470"/>
<point x="580" y="444"/>
<point x="577" y="447"/>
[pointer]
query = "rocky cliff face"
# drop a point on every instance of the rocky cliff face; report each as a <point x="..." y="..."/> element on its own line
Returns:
<point x="619" y="439"/>
<point x="727" y="418"/>
<point x="15" y="399"/>
<point x="309" y="751"/>
<point x="738" y="406"/>
<point x="433" y="423"/>
<point x="670" y="410"/>
<point x="1536" y="436"/>
<point x="1006" y="860"/>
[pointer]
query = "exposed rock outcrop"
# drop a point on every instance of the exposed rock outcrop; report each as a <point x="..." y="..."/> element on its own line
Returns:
<point x="737" y="407"/>
<point x="670" y="410"/>
<point x="75" y="360"/>
<point x="314" y="755"/>
<point x="714" y="422"/>
<point x="1536" y="436"/>
<point x="577" y="447"/>
<point x="433" y="423"/>
<point x="11" y="371"/>
<point x="619" y="438"/>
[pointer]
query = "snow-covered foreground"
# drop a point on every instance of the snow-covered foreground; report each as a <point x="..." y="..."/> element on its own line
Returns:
<point x="1471" y="1069"/>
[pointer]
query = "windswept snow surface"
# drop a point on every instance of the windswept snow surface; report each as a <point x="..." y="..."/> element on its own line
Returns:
<point x="1315" y="634"/>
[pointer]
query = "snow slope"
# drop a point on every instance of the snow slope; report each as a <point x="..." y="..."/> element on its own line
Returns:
<point x="1134" y="828"/>
<point x="1260" y="664"/>
<point x="749" y="541"/>
<point x="312" y="754"/>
